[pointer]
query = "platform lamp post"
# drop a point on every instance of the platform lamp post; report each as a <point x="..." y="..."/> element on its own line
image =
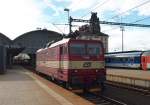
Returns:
<point x="67" y="10"/>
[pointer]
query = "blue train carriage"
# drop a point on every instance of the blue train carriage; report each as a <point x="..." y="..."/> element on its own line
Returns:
<point x="128" y="59"/>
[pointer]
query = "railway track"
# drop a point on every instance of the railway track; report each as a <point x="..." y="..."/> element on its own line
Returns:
<point x="112" y="97"/>
<point x="106" y="100"/>
<point x="100" y="99"/>
<point x="144" y="91"/>
<point x="97" y="99"/>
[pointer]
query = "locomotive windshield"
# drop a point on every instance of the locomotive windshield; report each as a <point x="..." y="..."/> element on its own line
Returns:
<point x="77" y="49"/>
<point x="93" y="49"/>
<point x="85" y="49"/>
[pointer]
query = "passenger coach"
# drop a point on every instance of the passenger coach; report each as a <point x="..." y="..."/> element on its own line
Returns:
<point x="75" y="63"/>
<point x="129" y="59"/>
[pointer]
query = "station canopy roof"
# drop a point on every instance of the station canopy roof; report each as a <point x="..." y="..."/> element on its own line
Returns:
<point x="30" y="42"/>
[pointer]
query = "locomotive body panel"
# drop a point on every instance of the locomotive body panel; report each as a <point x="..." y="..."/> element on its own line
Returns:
<point x="77" y="62"/>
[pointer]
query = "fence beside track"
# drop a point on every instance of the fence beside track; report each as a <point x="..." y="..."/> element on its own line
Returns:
<point x="133" y="81"/>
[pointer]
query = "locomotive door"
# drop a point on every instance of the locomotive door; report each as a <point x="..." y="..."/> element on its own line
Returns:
<point x="63" y="57"/>
<point x="62" y="63"/>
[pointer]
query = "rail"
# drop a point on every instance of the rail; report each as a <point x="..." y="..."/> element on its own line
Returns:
<point x="100" y="99"/>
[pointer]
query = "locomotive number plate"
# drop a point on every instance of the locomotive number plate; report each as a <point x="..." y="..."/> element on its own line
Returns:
<point x="87" y="64"/>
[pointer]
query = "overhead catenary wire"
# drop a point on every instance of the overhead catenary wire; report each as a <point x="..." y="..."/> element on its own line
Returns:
<point x="126" y="24"/>
<point x="57" y="28"/>
<point x="141" y="19"/>
<point x="139" y="5"/>
<point x="131" y="23"/>
<point x="128" y="11"/>
<point x="99" y="5"/>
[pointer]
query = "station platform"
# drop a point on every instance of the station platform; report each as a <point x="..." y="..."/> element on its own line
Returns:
<point x="141" y="74"/>
<point x="129" y="76"/>
<point x="22" y="87"/>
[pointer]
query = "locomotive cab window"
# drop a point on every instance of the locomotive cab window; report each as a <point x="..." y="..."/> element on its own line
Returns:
<point x="77" y="49"/>
<point x="93" y="49"/>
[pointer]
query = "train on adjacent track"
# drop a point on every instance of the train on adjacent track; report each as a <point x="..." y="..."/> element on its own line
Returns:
<point x="75" y="63"/>
<point x="128" y="59"/>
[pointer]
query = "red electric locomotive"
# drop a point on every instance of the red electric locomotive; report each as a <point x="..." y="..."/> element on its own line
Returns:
<point x="75" y="63"/>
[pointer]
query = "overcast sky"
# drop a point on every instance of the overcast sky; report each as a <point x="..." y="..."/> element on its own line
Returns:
<point x="21" y="16"/>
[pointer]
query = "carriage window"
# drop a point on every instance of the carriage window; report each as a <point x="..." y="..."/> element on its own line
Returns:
<point x="108" y="60"/>
<point x="93" y="49"/>
<point x="77" y="49"/>
<point x="126" y="59"/>
<point x="132" y="59"/>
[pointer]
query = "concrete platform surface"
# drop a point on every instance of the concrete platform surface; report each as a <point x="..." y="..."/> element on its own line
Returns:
<point x="140" y="74"/>
<point x="21" y="87"/>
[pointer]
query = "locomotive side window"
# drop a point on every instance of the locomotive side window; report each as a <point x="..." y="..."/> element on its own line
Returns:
<point x="93" y="49"/>
<point x="77" y="49"/>
<point x="52" y="53"/>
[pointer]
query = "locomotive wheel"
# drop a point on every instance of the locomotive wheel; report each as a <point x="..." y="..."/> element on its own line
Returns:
<point x="52" y="78"/>
<point x="49" y="78"/>
<point x="37" y="72"/>
<point x="67" y="86"/>
<point x="103" y="87"/>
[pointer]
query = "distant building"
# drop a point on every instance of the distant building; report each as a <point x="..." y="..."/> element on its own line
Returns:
<point x="92" y="32"/>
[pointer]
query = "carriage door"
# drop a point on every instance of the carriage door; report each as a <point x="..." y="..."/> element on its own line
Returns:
<point x="132" y="61"/>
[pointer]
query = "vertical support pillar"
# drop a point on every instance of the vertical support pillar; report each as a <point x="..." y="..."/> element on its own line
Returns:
<point x="32" y="60"/>
<point x="2" y="59"/>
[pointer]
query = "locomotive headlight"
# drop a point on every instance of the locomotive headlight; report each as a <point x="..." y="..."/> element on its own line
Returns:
<point x="76" y="71"/>
<point x="96" y="70"/>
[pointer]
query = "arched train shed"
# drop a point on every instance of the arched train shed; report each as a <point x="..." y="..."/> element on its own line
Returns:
<point x="9" y="49"/>
<point x="4" y="40"/>
<point x="34" y="40"/>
